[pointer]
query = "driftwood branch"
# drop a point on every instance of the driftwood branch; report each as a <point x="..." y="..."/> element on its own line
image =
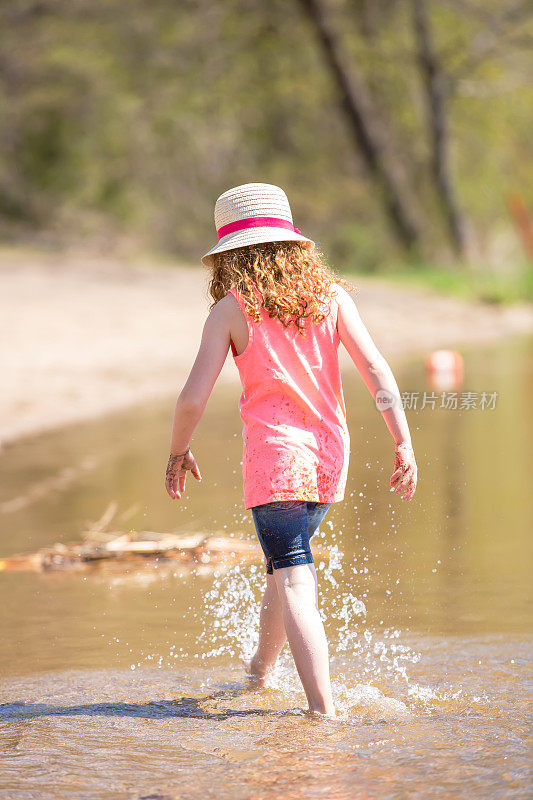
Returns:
<point x="102" y="545"/>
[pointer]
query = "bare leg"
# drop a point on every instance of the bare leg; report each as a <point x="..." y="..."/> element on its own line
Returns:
<point x="272" y="635"/>
<point x="297" y="587"/>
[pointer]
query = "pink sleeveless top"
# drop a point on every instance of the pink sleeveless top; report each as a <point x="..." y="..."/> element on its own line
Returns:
<point x="296" y="443"/>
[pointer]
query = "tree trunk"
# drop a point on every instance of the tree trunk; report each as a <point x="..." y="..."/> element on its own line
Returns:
<point x="368" y="131"/>
<point x="436" y="97"/>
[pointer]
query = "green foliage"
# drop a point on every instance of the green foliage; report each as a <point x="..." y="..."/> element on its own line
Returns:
<point x="140" y="114"/>
<point x="470" y="284"/>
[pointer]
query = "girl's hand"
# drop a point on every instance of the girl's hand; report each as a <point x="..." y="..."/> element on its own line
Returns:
<point x="177" y="473"/>
<point x="404" y="477"/>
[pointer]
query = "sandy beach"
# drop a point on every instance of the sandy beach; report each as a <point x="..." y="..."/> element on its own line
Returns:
<point x="83" y="336"/>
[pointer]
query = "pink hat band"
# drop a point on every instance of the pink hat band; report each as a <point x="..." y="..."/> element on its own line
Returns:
<point x="255" y="222"/>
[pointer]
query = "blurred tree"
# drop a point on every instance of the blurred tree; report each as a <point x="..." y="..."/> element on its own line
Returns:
<point x="129" y="118"/>
<point x="370" y="134"/>
<point x="438" y="123"/>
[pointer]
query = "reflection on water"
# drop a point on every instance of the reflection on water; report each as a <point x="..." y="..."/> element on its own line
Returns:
<point x="154" y="734"/>
<point x="425" y="605"/>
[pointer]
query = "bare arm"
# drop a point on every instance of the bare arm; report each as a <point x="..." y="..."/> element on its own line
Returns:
<point x="193" y="398"/>
<point x="378" y="376"/>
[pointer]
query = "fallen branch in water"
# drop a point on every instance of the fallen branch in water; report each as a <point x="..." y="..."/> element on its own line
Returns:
<point x="125" y="549"/>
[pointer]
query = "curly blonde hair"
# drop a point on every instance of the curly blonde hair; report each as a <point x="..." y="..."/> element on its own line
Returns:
<point x="292" y="278"/>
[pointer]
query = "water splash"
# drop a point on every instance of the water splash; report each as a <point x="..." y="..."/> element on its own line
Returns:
<point x="233" y="605"/>
<point x="370" y="665"/>
<point x="432" y="699"/>
<point x="370" y="653"/>
<point x="361" y="657"/>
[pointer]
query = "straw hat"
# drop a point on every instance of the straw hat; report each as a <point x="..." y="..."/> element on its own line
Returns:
<point x="251" y="214"/>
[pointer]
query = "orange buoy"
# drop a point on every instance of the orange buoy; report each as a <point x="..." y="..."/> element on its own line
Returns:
<point x="445" y="369"/>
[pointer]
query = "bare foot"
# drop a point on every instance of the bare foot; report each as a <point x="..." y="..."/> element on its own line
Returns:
<point x="256" y="674"/>
<point x="322" y="714"/>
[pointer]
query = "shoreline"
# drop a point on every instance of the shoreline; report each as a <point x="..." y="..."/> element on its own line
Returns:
<point x="86" y="336"/>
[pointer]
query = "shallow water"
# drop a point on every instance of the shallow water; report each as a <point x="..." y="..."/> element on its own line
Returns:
<point x="130" y="685"/>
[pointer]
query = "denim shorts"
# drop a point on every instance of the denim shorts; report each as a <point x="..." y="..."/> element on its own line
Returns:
<point x="284" y="528"/>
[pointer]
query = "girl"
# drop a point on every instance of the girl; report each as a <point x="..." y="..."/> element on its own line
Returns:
<point x="283" y="312"/>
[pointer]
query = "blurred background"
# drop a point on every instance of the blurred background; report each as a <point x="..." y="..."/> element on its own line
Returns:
<point x="401" y="130"/>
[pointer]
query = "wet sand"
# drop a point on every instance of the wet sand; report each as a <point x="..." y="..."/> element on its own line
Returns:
<point x="83" y="336"/>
